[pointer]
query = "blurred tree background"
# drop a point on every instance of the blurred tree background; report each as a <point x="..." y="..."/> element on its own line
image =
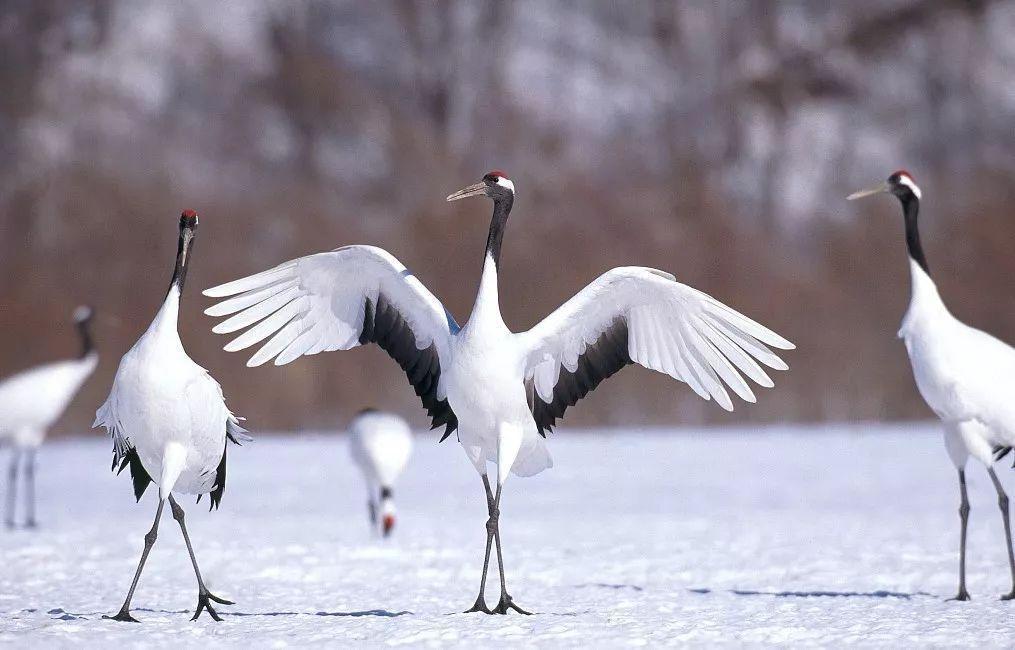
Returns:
<point x="716" y="140"/>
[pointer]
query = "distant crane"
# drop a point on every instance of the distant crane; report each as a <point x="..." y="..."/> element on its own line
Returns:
<point x="31" y="401"/>
<point x="380" y="444"/>
<point x="501" y="390"/>
<point x="169" y="422"/>
<point x="965" y="375"/>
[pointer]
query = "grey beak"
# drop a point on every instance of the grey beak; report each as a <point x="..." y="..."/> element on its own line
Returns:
<point x="472" y="190"/>
<point x="879" y="189"/>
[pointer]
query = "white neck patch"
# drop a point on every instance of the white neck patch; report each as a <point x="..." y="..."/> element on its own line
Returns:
<point x="911" y="184"/>
<point x="504" y="182"/>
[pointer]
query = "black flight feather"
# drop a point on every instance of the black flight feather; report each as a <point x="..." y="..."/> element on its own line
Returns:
<point x="601" y="359"/>
<point x="384" y="325"/>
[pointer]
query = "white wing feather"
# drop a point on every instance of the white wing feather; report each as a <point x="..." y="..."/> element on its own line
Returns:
<point x="317" y="303"/>
<point x="671" y="328"/>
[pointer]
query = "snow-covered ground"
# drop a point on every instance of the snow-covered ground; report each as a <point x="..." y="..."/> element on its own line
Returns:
<point x="830" y="536"/>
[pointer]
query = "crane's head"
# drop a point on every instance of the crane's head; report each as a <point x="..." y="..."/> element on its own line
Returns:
<point x="387" y="512"/>
<point x="901" y="184"/>
<point x="188" y="219"/>
<point x="83" y="314"/>
<point x="495" y="185"/>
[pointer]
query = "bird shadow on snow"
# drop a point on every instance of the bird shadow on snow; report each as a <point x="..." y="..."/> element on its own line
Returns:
<point x="819" y="593"/>
<point x="62" y="615"/>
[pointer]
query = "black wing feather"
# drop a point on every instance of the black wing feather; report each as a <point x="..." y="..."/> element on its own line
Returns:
<point x="384" y="325"/>
<point x="602" y="359"/>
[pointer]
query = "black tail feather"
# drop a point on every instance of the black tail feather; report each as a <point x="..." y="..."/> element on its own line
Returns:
<point x="138" y="475"/>
<point x="220" y="482"/>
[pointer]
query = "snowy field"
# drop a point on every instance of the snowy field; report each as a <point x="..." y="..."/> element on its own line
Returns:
<point x="823" y="536"/>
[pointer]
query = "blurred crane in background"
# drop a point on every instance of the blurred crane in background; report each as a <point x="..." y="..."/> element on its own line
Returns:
<point x="30" y="402"/>
<point x="380" y="444"/>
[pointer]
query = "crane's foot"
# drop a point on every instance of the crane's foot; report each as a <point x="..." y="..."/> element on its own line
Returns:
<point x="963" y="595"/>
<point x="480" y="606"/>
<point x="1010" y="595"/>
<point x="506" y="604"/>
<point x="203" y="603"/>
<point x="123" y="616"/>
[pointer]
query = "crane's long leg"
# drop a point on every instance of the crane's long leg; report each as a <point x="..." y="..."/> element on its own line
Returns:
<point x="149" y="542"/>
<point x="1002" y="503"/>
<point x="505" y="603"/>
<point x="30" y="489"/>
<point x="964" y="516"/>
<point x="203" y="595"/>
<point x="491" y="525"/>
<point x="12" y="486"/>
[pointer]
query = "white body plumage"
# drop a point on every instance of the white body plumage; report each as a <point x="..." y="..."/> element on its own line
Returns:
<point x="33" y="400"/>
<point x="964" y="374"/>
<point x="168" y="408"/>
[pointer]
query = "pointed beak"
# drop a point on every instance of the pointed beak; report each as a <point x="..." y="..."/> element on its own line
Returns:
<point x="388" y="524"/>
<point x="879" y="189"/>
<point x="472" y="190"/>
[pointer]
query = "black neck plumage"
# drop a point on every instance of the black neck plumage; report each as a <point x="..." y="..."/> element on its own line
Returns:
<point x="84" y="331"/>
<point x="501" y="210"/>
<point x="182" y="258"/>
<point x="911" y="210"/>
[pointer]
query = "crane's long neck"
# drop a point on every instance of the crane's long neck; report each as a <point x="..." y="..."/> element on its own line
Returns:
<point x="498" y="223"/>
<point x="167" y="318"/>
<point x="488" y="299"/>
<point x="911" y="211"/>
<point x="183" y="249"/>
<point x="926" y="308"/>
<point x="84" y="331"/>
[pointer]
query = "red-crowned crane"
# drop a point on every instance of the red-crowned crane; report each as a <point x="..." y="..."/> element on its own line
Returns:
<point x="380" y="444"/>
<point x="31" y="401"/>
<point x="962" y="373"/>
<point x="502" y="391"/>
<point x="169" y="422"/>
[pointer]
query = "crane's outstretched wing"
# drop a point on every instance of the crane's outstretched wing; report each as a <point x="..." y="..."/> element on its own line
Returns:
<point x="336" y="301"/>
<point x="641" y="315"/>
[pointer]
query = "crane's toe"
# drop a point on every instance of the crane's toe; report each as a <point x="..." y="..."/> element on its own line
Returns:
<point x="1010" y="595"/>
<point x="204" y="604"/>
<point x="506" y="604"/>
<point x="479" y="606"/>
<point x="123" y="616"/>
<point x="963" y="595"/>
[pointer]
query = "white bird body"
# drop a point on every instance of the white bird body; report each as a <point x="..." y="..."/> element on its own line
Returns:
<point x="33" y="400"/>
<point x="168" y="408"/>
<point x="486" y="390"/>
<point x="964" y="374"/>
<point x="380" y="445"/>
<point x="500" y="390"/>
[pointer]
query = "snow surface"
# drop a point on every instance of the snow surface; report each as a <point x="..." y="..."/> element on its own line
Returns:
<point x="822" y="536"/>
